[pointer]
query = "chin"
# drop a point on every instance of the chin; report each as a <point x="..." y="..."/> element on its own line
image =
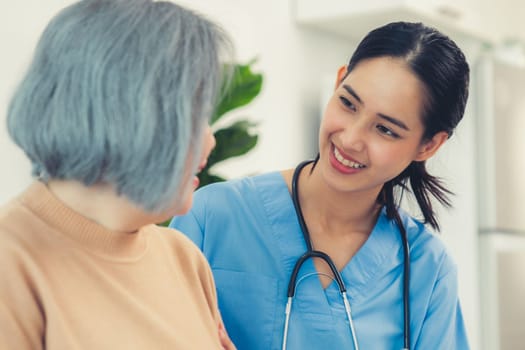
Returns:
<point x="183" y="209"/>
<point x="166" y="215"/>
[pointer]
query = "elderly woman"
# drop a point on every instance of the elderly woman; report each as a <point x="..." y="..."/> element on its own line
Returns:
<point x="113" y="114"/>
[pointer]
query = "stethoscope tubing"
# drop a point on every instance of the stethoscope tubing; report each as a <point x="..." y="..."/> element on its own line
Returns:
<point x="311" y="253"/>
<point x="292" y="285"/>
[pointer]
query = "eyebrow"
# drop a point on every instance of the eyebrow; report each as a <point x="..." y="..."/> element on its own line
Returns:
<point x="383" y="116"/>
<point x="394" y="121"/>
<point x="352" y="92"/>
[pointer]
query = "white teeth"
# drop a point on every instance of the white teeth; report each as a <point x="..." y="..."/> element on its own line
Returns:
<point x="346" y="162"/>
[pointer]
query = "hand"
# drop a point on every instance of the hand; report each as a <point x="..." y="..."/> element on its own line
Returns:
<point x="226" y="342"/>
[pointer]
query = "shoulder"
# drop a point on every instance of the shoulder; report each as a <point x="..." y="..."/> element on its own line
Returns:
<point x="234" y="192"/>
<point x="21" y="297"/>
<point x="239" y="186"/>
<point x="19" y="231"/>
<point x="23" y="247"/>
<point x="188" y="260"/>
<point x="23" y="230"/>
<point x="179" y="246"/>
<point x="181" y="250"/>
<point x="427" y="247"/>
<point x="233" y="207"/>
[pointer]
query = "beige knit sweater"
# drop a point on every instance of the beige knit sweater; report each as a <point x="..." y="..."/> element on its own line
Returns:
<point x="68" y="283"/>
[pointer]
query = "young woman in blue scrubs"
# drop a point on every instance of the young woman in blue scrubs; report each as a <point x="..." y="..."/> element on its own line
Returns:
<point x="395" y="104"/>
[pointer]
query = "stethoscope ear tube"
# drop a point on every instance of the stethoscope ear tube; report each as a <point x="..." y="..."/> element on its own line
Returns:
<point x="297" y="204"/>
<point x="292" y="285"/>
<point x="314" y="254"/>
<point x="406" y="283"/>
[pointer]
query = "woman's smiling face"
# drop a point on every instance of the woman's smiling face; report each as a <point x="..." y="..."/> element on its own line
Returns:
<point x="372" y="127"/>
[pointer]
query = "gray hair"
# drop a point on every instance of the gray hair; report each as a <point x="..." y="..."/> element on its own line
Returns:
<point x="119" y="92"/>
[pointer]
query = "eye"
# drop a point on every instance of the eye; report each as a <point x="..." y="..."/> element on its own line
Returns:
<point x="386" y="131"/>
<point x="347" y="103"/>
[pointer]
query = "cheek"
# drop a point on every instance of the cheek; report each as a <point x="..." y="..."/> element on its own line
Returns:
<point x="184" y="202"/>
<point x="209" y="142"/>
<point x="329" y="124"/>
<point x="392" y="160"/>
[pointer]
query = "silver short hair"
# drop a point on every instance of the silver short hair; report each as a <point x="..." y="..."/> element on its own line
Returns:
<point x="119" y="92"/>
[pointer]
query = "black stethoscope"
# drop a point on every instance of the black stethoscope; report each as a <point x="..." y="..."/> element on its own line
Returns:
<point x="311" y="253"/>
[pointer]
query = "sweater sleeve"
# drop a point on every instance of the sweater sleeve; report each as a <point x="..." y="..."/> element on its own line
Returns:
<point x="210" y="290"/>
<point x="199" y="275"/>
<point x="21" y="319"/>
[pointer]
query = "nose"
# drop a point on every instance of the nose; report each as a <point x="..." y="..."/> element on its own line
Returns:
<point x="353" y="137"/>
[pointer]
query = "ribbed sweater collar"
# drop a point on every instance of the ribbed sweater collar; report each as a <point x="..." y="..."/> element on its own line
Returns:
<point x="90" y="235"/>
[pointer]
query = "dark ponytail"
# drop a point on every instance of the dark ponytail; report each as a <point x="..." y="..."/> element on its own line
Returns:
<point x="422" y="186"/>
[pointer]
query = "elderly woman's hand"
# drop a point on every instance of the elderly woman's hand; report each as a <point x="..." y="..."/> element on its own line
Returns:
<point x="226" y="342"/>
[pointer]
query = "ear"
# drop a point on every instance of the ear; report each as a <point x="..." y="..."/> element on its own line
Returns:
<point x="430" y="147"/>
<point x="341" y="73"/>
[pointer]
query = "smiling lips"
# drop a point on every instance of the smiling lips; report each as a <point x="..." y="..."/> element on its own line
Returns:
<point x="346" y="162"/>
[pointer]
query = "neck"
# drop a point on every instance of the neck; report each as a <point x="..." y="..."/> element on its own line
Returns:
<point x="336" y="211"/>
<point x="101" y="204"/>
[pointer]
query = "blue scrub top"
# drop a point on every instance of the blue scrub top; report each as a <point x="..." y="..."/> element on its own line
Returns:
<point x="249" y="232"/>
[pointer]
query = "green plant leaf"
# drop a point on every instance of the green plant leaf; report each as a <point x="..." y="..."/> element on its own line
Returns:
<point x="165" y="223"/>
<point x="243" y="87"/>
<point x="233" y="141"/>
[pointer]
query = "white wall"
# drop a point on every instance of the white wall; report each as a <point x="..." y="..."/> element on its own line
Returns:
<point x="20" y="25"/>
<point x="295" y="63"/>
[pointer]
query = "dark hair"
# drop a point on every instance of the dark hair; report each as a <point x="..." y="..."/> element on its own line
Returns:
<point x="442" y="68"/>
